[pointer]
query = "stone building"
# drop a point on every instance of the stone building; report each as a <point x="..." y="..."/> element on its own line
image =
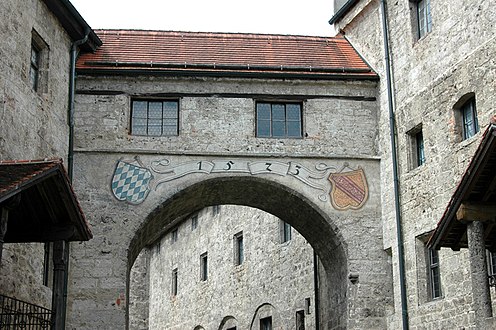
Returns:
<point x="384" y="166"/>
<point x="440" y="76"/>
<point x="38" y="39"/>
<point x="226" y="267"/>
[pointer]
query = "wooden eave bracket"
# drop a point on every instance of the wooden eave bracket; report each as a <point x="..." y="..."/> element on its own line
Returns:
<point x="469" y="211"/>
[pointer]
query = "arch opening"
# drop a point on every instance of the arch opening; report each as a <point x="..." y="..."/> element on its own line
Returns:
<point x="274" y="198"/>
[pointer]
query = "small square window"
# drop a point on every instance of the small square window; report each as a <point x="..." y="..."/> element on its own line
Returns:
<point x="204" y="267"/>
<point x="469" y="118"/>
<point x="424" y="19"/>
<point x="155" y="117"/>
<point x="239" y="254"/>
<point x="279" y="120"/>
<point x="174" y="286"/>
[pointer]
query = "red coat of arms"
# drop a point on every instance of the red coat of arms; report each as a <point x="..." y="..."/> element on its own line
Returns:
<point x="349" y="189"/>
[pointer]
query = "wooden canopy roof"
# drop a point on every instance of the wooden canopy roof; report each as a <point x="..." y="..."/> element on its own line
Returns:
<point x="41" y="204"/>
<point x="473" y="200"/>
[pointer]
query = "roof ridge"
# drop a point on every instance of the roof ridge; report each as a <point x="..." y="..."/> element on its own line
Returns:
<point x="241" y="35"/>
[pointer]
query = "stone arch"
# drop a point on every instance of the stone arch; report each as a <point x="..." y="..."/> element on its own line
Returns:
<point x="264" y="310"/>
<point x="228" y="322"/>
<point x="313" y="223"/>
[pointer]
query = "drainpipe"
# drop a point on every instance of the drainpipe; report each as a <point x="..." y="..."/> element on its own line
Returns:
<point x="392" y="128"/>
<point x="70" y="161"/>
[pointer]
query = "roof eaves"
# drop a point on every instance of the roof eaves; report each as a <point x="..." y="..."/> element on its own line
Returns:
<point x="74" y="23"/>
<point x="342" y="11"/>
<point x="461" y="191"/>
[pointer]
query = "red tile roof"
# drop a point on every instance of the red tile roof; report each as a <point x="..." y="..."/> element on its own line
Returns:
<point x="218" y="53"/>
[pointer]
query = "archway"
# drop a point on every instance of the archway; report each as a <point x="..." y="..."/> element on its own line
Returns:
<point x="272" y="197"/>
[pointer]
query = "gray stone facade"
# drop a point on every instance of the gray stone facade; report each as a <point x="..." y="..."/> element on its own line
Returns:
<point x="431" y="75"/>
<point x="274" y="273"/>
<point x="219" y="129"/>
<point x="33" y="124"/>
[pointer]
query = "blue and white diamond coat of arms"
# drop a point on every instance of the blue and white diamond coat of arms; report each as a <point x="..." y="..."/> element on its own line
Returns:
<point x="130" y="182"/>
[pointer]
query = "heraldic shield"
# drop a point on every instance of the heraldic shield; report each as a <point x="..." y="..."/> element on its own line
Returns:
<point x="130" y="182"/>
<point x="349" y="189"/>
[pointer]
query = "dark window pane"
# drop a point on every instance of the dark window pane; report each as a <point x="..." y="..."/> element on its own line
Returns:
<point x="170" y="109"/>
<point x="139" y="109"/>
<point x="155" y="110"/>
<point x="294" y="129"/>
<point x="278" y="129"/>
<point x="278" y="112"/>
<point x="263" y="111"/>
<point x="293" y="112"/>
<point x="263" y="128"/>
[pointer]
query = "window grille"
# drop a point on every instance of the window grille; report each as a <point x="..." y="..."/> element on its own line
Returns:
<point x="279" y="120"/>
<point x="469" y="118"/>
<point x="434" y="274"/>
<point x="155" y="118"/>
<point x="424" y="17"/>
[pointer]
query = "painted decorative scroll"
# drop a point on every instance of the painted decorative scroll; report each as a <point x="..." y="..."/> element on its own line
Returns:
<point x="131" y="180"/>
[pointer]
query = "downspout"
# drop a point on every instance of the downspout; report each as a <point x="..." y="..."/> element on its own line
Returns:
<point x="70" y="156"/>
<point x="392" y="128"/>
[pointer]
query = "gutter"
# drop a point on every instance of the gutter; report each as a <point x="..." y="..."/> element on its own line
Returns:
<point x="392" y="128"/>
<point x="342" y="11"/>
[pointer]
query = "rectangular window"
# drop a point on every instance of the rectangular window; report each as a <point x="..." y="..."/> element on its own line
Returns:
<point x="174" y="236"/>
<point x="424" y="17"/>
<point x="279" y="120"/>
<point x="491" y="263"/>
<point x="38" y="63"/>
<point x="155" y="118"/>
<point x="285" y="231"/>
<point x="34" y="69"/>
<point x="204" y="267"/>
<point x="238" y="248"/>
<point x="194" y="221"/>
<point x="469" y="118"/>
<point x="434" y="274"/>
<point x="419" y="139"/>
<point x="266" y="323"/>
<point x="300" y="320"/>
<point x="174" y="282"/>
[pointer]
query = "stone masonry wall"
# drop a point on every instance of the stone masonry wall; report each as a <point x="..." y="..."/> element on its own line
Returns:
<point x="340" y="122"/>
<point x="430" y="76"/>
<point x="33" y="124"/>
<point x="273" y="272"/>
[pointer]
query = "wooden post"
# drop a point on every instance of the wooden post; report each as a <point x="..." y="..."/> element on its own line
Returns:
<point x="59" y="272"/>
<point x="478" y="271"/>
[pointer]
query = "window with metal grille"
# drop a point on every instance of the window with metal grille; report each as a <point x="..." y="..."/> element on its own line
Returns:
<point x="424" y="17"/>
<point x="194" y="221"/>
<point x="155" y="117"/>
<point x="434" y="274"/>
<point x="469" y="118"/>
<point x="279" y="120"/>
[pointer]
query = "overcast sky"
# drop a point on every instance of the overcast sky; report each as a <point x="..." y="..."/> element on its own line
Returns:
<point x="298" y="17"/>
